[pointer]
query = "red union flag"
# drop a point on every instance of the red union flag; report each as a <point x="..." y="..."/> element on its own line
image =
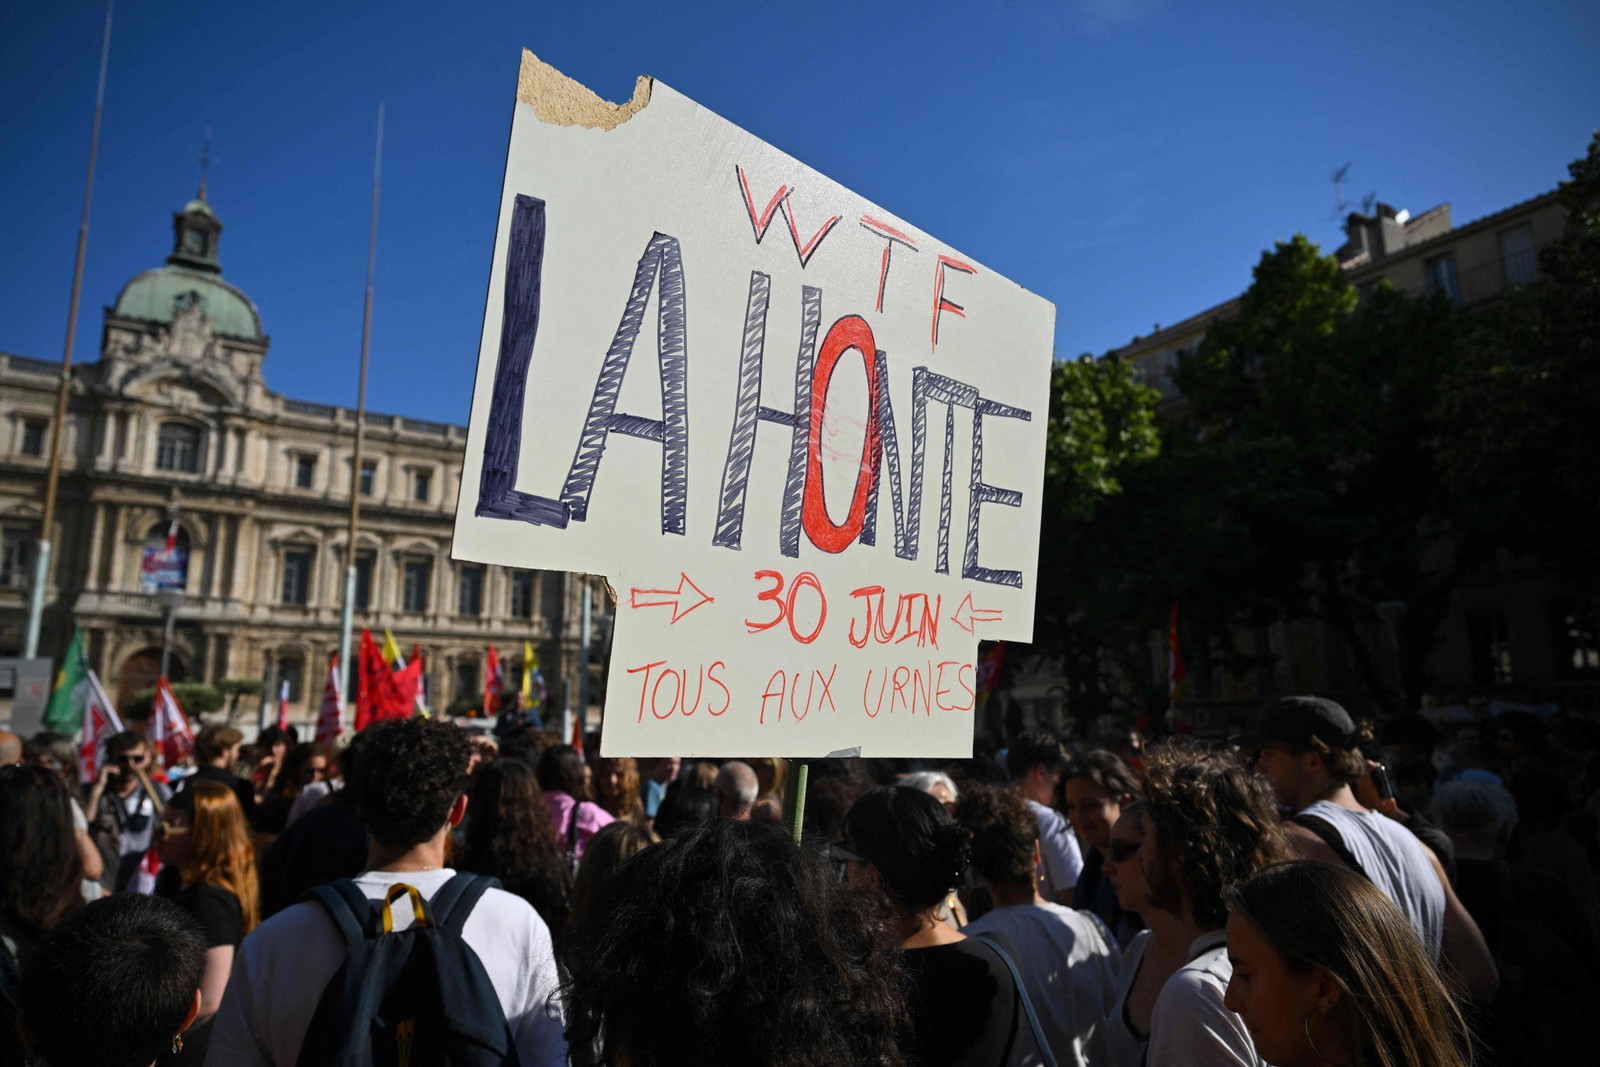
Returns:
<point x="100" y="721"/>
<point x="170" y="732"/>
<point x="330" y="720"/>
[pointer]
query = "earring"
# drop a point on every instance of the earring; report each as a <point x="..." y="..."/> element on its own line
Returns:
<point x="177" y="1044"/>
<point x="1312" y="1041"/>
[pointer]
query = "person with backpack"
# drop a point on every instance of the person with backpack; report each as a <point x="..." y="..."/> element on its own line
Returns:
<point x="409" y="962"/>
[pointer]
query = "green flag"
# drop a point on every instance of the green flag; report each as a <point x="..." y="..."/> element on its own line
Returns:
<point x="65" y="712"/>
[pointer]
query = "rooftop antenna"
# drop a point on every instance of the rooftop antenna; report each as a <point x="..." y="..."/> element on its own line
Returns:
<point x="205" y="162"/>
<point x="1338" y="191"/>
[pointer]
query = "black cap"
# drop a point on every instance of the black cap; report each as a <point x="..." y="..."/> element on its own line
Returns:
<point x="1299" y="721"/>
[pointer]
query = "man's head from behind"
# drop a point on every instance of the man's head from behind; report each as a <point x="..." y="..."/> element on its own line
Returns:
<point x="1036" y="762"/>
<point x="738" y="786"/>
<point x="412" y="771"/>
<point x="113" y="984"/>
<point x="217" y="746"/>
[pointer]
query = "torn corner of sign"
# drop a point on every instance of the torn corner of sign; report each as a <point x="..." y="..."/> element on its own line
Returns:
<point x="563" y="101"/>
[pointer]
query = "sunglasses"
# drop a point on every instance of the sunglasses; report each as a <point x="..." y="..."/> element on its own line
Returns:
<point x="1120" y="851"/>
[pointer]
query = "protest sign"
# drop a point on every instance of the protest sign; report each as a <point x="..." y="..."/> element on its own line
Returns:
<point x="802" y="439"/>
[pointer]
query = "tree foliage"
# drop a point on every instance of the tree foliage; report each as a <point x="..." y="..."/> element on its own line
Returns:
<point x="1519" y="433"/>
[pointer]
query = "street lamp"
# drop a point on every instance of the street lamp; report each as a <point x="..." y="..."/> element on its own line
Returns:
<point x="170" y="600"/>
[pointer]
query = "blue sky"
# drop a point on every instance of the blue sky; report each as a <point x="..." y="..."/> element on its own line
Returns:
<point x="1127" y="159"/>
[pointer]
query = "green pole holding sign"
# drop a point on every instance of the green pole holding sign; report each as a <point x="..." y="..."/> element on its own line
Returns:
<point x="797" y="799"/>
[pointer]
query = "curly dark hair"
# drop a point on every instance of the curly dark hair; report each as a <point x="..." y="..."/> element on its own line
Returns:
<point x="1106" y="770"/>
<point x="561" y="770"/>
<point x="412" y="770"/>
<point x="41" y="872"/>
<point x="1002" y="832"/>
<point x="112" y="984"/>
<point x="509" y="837"/>
<point x="1217" y="819"/>
<point x="729" y="944"/>
<point x="917" y="847"/>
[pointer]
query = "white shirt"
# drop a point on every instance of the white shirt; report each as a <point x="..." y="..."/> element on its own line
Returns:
<point x="1060" y="861"/>
<point x="1396" y="862"/>
<point x="1126" y="1047"/>
<point x="1189" y="1025"/>
<point x="283" y="966"/>
<point x="1068" y="962"/>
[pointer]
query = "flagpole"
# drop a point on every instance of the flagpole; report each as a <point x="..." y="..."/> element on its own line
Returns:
<point x="41" y="557"/>
<point x="348" y="609"/>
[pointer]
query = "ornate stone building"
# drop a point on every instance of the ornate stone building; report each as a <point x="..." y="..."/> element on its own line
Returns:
<point x="176" y="421"/>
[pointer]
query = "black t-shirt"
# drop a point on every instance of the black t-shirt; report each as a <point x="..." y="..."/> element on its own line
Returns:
<point x="240" y="787"/>
<point x="220" y="916"/>
<point x="964" y="1006"/>
<point x="218" y="912"/>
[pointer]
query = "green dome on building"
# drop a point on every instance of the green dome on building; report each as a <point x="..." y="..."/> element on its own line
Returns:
<point x="191" y="278"/>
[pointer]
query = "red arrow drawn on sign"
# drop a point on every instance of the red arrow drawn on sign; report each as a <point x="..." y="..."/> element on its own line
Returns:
<point x="973" y="615"/>
<point x="680" y="603"/>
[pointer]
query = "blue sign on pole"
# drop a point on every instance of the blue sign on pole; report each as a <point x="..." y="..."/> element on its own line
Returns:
<point x="164" y="568"/>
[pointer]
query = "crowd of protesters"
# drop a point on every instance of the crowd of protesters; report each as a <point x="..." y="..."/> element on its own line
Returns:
<point x="1301" y="893"/>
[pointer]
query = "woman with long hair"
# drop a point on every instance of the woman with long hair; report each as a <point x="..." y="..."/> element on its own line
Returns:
<point x="1328" y="970"/>
<point x="613" y="846"/>
<point x="210" y="872"/>
<point x="41" y="870"/>
<point x="966" y="1008"/>
<point x="569" y="798"/>
<point x="509" y="837"/>
<point x="616" y="780"/>
<point x="1154" y="954"/>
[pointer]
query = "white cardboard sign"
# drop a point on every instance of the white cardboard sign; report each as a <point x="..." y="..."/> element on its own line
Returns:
<point x="803" y="439"/>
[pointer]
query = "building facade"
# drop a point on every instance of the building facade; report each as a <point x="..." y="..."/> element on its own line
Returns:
<point x="173" y="433"/>
<point x="1513" y="630"/>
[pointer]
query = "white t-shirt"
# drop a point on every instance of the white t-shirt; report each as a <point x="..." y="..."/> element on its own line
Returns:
<point x="1060" y="861"/>
<point x="1396" y="862"/>
<point x="1126" y="1047"/>
<point x="1189" y="1026"/>
<point x="1068" y="962"/>
<point x="283" y="966"/>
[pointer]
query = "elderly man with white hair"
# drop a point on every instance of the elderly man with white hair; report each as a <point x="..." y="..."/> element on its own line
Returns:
<point x="738" y="787"/>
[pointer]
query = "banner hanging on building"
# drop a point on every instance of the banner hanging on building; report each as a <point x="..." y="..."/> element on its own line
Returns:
<point x="162" y="567"/>
<point x="802" y="439"/>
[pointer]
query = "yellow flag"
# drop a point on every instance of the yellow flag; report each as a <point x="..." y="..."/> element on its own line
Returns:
<point x="529" y="662"/>
<point x="391" y="652"/>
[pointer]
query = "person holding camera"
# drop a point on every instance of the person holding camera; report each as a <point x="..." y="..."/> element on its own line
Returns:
<point x="125" y="807"/>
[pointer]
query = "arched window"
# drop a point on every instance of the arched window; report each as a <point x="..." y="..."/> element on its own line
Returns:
<point x="178" y="448"/>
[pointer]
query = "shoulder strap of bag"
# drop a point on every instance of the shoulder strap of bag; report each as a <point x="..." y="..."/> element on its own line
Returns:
<point x="1330" y="837"/>
<point x="1022" y="994"/>
<point x="348" y="907"/>
<point x="572" y="827"/>
<point x="454" y="901"/>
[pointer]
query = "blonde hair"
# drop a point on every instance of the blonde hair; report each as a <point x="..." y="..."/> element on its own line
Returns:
<point x="626" y="801"/>
<point x="221" y="853"/>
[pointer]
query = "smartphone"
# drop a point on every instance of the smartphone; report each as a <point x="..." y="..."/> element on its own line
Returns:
<point x="1382" y="783"/>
